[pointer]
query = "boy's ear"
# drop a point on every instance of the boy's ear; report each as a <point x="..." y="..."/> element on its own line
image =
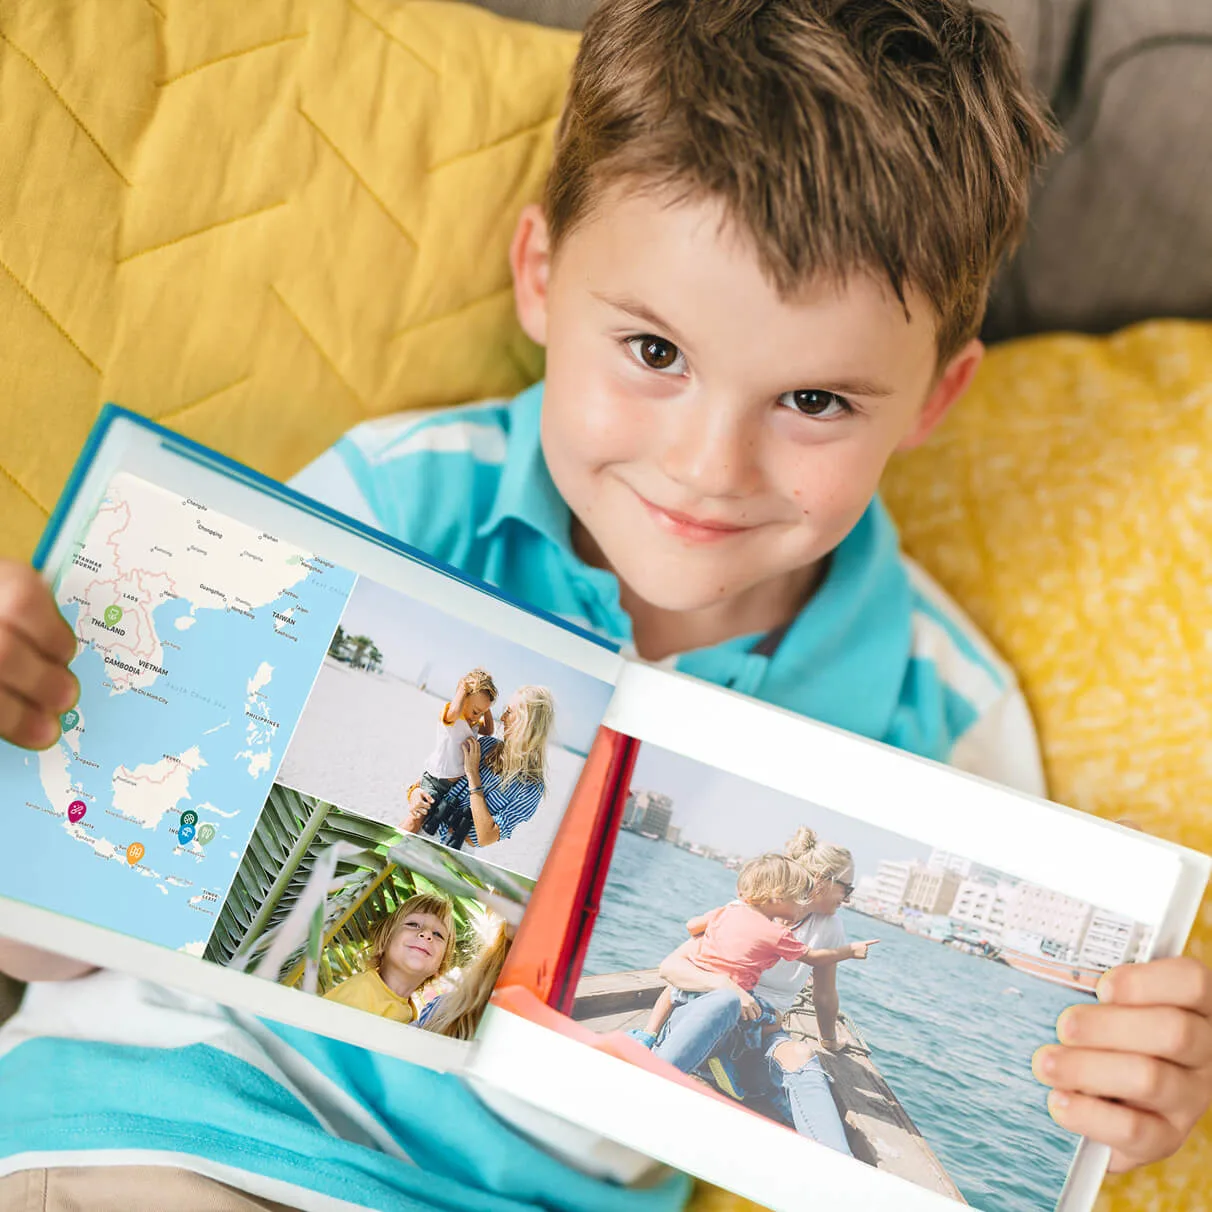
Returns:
<point x="948" y="387"/>
<point x="530" y="261"/>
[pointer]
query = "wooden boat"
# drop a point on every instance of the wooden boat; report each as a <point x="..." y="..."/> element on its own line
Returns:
<point x="1073" y="976"/>
<point x="878" y="1128"/>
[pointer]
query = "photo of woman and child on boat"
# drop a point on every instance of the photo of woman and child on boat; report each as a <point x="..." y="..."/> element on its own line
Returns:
<point x="356" y="912"/>
<point x="443" y="729"/>
<point x="731" y="943"/>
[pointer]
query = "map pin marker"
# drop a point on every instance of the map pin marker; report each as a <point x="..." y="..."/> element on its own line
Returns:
<point x="134" y="852"/>
<point x="185" y="834"/>
<point x="189" y="817"/>
<point x="113" y="616"/>
<point x="69" y="719"/>
<point x="206" y="833"/>
<point x="76" y="810"/>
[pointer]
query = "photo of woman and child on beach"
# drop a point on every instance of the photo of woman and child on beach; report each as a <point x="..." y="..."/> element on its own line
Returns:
<point x="358" y="913"/>
<point x="443" y="729"/>
<point x="867" y="990"/>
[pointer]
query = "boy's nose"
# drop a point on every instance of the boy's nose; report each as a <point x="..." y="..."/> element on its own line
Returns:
<point x="710" y="451"/>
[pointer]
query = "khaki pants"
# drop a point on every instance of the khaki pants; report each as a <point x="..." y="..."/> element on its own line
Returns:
<point x="123" y="1189"/>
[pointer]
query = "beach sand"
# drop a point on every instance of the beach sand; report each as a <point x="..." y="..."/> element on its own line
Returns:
<point x="363" y="739"/>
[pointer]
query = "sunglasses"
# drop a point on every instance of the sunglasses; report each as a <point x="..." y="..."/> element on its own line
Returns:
<point x="848" y="889"/>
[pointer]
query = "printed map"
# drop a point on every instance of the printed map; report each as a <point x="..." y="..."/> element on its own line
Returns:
<point x="200" y="638"/>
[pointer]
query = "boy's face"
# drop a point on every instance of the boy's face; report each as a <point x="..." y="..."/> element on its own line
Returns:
<point x="475" y="705"/>
<point x="713" y="440"/>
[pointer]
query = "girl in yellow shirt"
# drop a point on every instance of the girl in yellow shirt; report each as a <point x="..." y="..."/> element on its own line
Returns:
<point x="408" y="950"/>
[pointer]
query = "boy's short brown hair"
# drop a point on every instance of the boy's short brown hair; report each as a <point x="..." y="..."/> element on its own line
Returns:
<point x="894" y="136"/>
<point x="773" y="877"/>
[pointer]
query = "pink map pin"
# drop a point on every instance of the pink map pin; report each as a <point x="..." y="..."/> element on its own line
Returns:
<point x="76" y="810"/>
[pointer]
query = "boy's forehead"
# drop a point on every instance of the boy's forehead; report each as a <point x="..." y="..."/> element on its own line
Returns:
<point x="681" y="267"/>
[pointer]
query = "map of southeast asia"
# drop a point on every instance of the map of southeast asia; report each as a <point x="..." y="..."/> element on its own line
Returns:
<point x="199" y="639"/>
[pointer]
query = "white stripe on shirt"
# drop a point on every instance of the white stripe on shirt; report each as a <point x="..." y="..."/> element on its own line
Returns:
<point x="934" y="642"/>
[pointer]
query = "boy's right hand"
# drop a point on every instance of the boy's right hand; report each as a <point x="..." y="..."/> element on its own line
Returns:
<point x="36" y="645"/>
<point x="860" y="949"/>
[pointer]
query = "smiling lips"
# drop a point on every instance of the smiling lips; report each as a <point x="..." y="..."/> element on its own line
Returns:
<point x="690" y="529"/>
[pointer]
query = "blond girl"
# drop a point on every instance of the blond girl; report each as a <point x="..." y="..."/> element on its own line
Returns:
<point x="412" y="947"/>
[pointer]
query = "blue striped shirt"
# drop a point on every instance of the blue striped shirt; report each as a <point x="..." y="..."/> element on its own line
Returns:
<point x="509" y="806"/>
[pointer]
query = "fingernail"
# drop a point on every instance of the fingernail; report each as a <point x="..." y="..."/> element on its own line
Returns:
<point x="1058" y="1100"/>
<point x="1045" y="1063"/>
<point x="1064" y="1026"/>
<point x="1103" y="989"/>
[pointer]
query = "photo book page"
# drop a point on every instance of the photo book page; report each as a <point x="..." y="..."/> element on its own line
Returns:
<point x="301" y="754"/>
<point x="808" y="968"/>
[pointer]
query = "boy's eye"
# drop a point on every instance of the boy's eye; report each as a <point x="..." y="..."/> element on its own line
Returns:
<point x="657" y="354"/>
<point x="810" y="402"/>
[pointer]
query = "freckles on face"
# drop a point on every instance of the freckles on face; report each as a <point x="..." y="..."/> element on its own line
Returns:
<point x="699" y="481"/>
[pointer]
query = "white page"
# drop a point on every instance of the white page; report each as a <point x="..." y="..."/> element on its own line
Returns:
<point x="1155" y="883"/>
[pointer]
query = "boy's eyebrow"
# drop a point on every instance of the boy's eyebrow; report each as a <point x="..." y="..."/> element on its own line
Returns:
<point x="641" y="311"/>
<point x="852" y="387"/>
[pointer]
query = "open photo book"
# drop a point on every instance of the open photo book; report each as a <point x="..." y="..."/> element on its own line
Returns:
<point x="318" y="776"/>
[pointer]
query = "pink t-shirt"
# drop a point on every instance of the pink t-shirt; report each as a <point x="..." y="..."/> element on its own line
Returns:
<point x="742" y="943"/>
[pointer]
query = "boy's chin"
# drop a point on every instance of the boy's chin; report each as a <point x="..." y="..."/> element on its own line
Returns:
<point x="671" y="590"/>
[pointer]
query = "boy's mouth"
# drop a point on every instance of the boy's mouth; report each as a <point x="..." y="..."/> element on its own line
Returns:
<point x="684" y="526"/>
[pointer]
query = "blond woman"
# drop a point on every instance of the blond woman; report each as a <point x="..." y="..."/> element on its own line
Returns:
<point x="504" y="779"/>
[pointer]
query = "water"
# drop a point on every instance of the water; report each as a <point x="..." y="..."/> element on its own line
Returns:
<point x="954" y="1046"/>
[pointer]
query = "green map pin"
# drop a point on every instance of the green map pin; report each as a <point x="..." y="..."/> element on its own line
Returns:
<point x="206" y="833"/>
<point x="189" y="817"/>
<point x="113" y="616"/>
<point x="69" y="719"/>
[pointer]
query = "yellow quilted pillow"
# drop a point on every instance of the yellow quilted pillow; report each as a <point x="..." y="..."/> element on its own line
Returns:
<point x="260" y="223"/>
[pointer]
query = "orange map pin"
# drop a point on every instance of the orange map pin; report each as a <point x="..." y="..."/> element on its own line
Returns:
<point x="134" y="852"/>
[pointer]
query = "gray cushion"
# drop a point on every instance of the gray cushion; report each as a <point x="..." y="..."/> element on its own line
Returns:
<point x="1121" y="225"/>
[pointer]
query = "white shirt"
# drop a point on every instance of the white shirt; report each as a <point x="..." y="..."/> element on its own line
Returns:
<point x="781" y="985"/>
<point x="446" y="760"/>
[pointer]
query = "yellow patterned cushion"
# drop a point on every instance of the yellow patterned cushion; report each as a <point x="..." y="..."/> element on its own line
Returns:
<point x="262" y="222"/>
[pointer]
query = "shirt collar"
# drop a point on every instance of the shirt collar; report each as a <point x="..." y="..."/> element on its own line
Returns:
<point x="526" y="492"/>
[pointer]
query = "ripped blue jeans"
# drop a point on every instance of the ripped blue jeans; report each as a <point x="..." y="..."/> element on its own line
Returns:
<point x="709" y="1025"/>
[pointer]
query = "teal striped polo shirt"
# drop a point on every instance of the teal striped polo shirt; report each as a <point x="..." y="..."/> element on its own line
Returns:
<point x="879" y="650"/>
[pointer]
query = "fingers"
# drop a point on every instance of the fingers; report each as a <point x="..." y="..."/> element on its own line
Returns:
<point x="24" y="671"/>
<point x="1178" y="981"/>
<point x="35" y="647"/>
<point x="1174" y="1034"/>
<point x="1144" y="1082"/>
<point x="26" y="606"/>
<point x="1135" y="1136"/>
<point x="25" y="725"/>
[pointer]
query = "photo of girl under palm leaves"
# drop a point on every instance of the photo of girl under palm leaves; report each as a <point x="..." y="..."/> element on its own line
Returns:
<point x="353" y="910"/>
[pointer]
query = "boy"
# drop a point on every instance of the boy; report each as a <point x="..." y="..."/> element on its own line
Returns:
<point x="468" y="714"/>
<point x="745" y="938"/>
<point x="768" y="235"/>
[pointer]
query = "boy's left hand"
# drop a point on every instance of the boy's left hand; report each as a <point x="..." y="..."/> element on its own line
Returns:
<point x="1135" y="1071"/>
